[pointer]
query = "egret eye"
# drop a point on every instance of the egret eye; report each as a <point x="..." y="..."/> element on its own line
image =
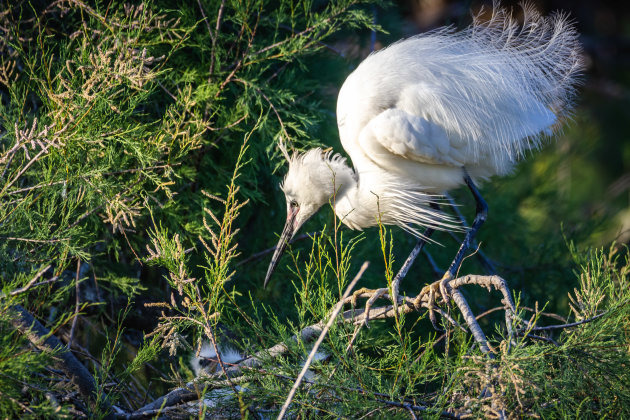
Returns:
<point x="294" y="204"/>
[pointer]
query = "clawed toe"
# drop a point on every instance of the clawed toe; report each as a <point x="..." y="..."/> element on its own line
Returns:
<point x="444" y="287"/>
<point x="375" y="294"/>
<point x="428" y="295"/>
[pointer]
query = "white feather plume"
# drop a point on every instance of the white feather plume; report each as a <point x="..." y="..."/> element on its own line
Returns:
<point x="497" y="86"/>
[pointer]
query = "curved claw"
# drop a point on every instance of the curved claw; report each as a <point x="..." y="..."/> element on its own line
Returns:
<point x="430" y="291"/>
<point x="431" y="311"/>
<point x="378" y="293"/>
<point x="356" y="294"/>
<point x="444" y="289"/>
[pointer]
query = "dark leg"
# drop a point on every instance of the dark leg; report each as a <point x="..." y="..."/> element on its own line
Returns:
<point x="480" y="217"/>
<point x="410" y="259"/>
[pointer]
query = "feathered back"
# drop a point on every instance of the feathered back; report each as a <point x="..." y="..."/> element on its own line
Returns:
<point x="498" y="86"/>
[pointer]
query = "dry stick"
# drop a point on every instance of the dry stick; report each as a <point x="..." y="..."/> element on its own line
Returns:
<point x="547" y="314"/>
<point x="77" y="304"/>
<point x="216" y="35"/>
<point x="28" y="165"/>
<point x="36" y="241"/>
<point x="319" y="341"/>
<point x="573" y="324"/>
<point x="41" y="338"/>
<point x="24" y="289"/>
<point x="30" y="283"/>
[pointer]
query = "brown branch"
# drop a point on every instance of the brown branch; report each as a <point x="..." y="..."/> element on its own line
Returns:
<point x="42" y="338"/>
<point x="239" y="63"/>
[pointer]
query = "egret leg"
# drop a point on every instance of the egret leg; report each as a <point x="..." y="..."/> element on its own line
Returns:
<point x="480" y="217"/>
<point x="378" y="293"/>
<point x="410" y="259"/>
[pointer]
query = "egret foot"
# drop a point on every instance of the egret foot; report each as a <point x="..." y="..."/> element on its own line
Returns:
<point x="443" y="284"/>
<point x="374" y="295"/>
<point x="428" y="294"/>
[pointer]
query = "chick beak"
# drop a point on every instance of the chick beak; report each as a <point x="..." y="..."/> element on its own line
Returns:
<point x="285" y="237"/>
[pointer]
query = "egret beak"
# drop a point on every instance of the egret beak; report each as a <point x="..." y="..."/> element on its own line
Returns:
<point x="285" y="237"/>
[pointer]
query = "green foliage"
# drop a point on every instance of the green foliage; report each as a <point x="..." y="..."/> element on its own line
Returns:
<point x="138" y="173"/>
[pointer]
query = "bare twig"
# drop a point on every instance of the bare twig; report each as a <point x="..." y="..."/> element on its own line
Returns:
<point x="37" y="241"/>
<point x="319" y="341"/>
<point x="216" y="34"/>
<point x="31" y="283"/>
<point x="77" y="304"/>
<point x="570" y="325"/>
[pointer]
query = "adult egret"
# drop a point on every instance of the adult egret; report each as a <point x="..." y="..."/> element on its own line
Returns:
<point x="432" y="112"/>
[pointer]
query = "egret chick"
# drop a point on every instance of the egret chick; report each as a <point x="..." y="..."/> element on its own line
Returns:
<point x="432" y="112"/>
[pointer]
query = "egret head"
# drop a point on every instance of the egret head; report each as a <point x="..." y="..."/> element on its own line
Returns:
<point x="312" y="180"/>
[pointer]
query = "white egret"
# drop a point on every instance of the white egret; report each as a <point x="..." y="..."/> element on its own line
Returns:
<point x="432" y="112"/>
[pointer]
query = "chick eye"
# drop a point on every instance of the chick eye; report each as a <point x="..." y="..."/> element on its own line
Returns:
<point x="294" y="204"/>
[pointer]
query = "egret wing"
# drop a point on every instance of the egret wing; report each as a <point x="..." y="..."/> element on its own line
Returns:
<point x="411" y="137"/>
<point x="452" y="127"/>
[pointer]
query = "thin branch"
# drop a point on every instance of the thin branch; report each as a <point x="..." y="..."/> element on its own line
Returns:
<point x="216" y="34"/>
<point x="41" y="283"/>
<point x="37" y="241"/>
<point x="319" y="341"/>
<point x="570" y="325"/>
<point x="77" y="304"/>
<point x="302" y="33"/>
<point x="123" y="171"/>
<point x="271" y="105"/>
<point x="541" y="338"/>
<point x="31" y="283"/>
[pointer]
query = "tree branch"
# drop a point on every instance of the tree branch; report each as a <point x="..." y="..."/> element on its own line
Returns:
<point x="42" y="338"/>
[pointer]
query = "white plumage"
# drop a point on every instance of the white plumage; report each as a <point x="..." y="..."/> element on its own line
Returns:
<point x="419" y="116"/>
